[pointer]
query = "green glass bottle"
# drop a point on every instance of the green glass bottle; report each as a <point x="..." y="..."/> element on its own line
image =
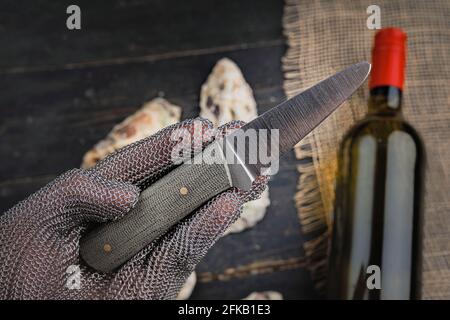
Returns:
<point x="376" y="237"/>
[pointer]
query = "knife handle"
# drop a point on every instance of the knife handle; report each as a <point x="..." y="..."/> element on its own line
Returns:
<point x="159" y="207"/>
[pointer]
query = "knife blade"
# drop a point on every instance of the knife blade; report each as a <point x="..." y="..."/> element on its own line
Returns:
<point x="225" y="163"/>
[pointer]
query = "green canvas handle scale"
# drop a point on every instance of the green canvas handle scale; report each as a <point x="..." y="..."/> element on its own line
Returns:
<point x="159" y="207"/>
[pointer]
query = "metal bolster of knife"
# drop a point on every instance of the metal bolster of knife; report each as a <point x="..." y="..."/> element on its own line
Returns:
<point x="163" y="204"/>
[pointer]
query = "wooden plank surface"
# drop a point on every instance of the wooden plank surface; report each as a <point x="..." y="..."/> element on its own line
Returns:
<point x="125" y="30"/>
<point x="64" y="90"/>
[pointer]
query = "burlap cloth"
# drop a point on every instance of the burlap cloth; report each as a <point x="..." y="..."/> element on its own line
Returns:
<point x="325" y="36"/>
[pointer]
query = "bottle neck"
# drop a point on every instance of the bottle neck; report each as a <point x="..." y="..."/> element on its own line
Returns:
<point x="385" y="100"/>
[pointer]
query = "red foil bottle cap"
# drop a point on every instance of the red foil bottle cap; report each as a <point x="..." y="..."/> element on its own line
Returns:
<point x="388" y="58"/>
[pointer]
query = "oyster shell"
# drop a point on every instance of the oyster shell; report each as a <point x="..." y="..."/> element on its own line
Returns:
<point x="226" y="96"/>
<point x="152" y="117"/>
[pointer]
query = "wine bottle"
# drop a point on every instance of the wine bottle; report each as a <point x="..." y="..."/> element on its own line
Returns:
<point x="375" y="246"/>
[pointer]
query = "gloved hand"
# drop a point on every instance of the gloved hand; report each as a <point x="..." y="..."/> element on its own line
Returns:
<point x="39" y="237"/>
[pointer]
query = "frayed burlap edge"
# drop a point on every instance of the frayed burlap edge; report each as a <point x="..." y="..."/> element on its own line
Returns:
<point x="307" y="199"/>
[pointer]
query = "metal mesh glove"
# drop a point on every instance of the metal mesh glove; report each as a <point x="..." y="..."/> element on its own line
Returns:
<point x="39" y="237"/>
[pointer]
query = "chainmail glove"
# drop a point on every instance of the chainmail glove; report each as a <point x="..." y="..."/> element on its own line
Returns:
<point x="39" y="237"/>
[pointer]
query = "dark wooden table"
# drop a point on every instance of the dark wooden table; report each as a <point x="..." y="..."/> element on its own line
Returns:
<point x="62" y="91"/>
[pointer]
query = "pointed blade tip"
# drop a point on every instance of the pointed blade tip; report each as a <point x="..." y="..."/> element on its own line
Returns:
<point x="365" y="67"/>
